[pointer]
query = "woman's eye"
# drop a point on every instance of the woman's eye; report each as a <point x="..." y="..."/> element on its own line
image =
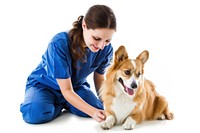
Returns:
<point x="127" y="72"/>
<point x="107" y="41"/>
<point x="97" y="39"/>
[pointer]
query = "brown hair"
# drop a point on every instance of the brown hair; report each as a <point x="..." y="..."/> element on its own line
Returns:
<point x="98" y="16"/>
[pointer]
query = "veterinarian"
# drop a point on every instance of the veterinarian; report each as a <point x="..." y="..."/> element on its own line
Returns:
<point x="59" y="81"/>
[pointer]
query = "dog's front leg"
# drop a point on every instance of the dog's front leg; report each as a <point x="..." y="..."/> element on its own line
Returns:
<point x="108" y="123"/>
<point x="129" y="123"/>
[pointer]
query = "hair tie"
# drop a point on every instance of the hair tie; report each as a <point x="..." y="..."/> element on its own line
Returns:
<point x="80" y="19"/>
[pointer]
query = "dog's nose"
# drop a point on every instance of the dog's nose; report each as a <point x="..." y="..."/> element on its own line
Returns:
<point x="134" y="85"/>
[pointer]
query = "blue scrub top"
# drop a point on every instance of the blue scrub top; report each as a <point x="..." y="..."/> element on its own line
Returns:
<point x="57" y="63"/>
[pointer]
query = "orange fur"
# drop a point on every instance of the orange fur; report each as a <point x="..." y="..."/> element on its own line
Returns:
<point x="128" y="97"/>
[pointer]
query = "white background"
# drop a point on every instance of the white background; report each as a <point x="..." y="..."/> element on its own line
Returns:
<point x="169" y="30"/>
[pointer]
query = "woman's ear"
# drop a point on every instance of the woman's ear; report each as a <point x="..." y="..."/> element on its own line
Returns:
<point x="84" y="25"/>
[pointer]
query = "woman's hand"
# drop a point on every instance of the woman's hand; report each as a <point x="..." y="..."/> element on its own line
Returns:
<point x="99" y="115"/>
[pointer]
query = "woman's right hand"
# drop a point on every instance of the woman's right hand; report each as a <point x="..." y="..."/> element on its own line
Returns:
<point x="99" y="115"/>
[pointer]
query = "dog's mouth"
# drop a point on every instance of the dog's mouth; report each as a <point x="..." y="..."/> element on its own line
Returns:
<point x="126" y="89"/>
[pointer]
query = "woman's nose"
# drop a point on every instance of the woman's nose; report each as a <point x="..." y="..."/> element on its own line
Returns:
<point x="101" y="44"/>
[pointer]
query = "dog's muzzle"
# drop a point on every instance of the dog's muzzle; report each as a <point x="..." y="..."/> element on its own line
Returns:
<point x="128" y="90"/>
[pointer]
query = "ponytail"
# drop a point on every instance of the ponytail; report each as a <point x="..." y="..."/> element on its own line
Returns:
<point x="77" y="44"/>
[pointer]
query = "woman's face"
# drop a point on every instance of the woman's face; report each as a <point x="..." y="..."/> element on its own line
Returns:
<point x="98" y="38"/>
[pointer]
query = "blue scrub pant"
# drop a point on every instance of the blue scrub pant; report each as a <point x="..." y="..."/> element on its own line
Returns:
<point x="44" y="104"/>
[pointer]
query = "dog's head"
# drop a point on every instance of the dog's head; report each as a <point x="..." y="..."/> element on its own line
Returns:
<point x="129" y="72"/>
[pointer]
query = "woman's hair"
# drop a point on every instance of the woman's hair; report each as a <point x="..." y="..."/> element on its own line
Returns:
<point x="98" y="16"/>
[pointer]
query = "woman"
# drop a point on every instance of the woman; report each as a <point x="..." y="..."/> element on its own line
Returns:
<point x="59" y="81"/>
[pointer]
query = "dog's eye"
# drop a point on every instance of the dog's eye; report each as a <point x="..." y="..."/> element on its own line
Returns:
<point x="138" y="74"/>
<point x="127" y="72"/>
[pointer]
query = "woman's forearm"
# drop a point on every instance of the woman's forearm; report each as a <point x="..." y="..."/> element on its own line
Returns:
<point x="78" y="102"/>
<point x="69" y="94"/>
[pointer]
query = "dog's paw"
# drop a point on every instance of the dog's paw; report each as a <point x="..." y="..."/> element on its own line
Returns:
<point x="170" y="116"/>
<point x="129" y="123"/>
<point x="108" y="123"/>
<point x="161" y="117"/>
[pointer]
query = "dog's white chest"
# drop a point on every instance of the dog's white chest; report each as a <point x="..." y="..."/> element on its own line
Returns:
<point x="122" y="107"/>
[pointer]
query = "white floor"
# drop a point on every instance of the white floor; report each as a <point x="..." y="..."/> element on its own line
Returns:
<point x="170" y="30"/>
<point x="67" y="122"/>
<point x="185" y="120"/>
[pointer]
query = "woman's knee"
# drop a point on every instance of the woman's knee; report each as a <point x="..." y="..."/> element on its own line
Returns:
<point x="36" y="113"/>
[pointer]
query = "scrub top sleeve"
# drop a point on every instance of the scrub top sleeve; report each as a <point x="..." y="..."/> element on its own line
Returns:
<point x="58" y="60"/>
<point x="106" y="62"/>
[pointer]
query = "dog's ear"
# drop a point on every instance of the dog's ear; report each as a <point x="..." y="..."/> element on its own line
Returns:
<point x="143" y="57"/>
<point x="121" y="54"/>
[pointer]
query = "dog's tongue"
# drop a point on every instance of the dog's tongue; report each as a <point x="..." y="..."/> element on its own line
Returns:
<point x="129" y="91"/>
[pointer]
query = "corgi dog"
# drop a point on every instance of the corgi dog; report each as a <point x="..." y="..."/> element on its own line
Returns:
<point x="128" y="97"/>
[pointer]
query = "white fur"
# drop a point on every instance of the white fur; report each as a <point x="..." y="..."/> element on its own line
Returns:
<point x="134" y="64"/>
<point x="122" y="105"/>
<point x="141" y="76"/>
<point x="129" y="123"/>
<point x="108" y="123"/>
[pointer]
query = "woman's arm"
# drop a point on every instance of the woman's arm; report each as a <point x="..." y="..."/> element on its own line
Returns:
<point x="98" y="80"/>
<point x="69" y="94"/>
